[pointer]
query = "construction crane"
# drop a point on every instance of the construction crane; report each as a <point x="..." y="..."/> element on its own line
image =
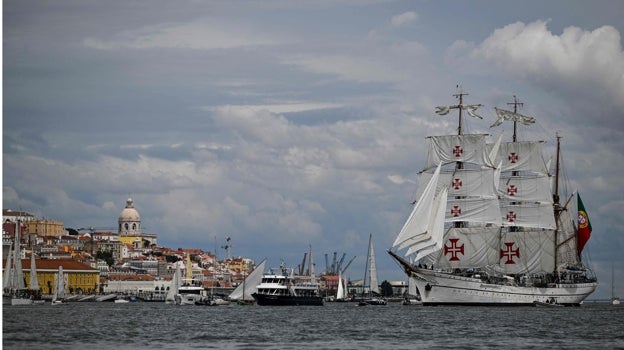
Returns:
<point x="348" y="264"/>
<point x="339" y="266"/>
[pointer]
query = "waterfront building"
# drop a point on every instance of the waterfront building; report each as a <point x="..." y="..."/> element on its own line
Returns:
<point x="81" y="278"/>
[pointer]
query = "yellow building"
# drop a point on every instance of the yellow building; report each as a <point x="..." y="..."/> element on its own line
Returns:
<point x="81" y="278"/>
<point x="45" y="228"/>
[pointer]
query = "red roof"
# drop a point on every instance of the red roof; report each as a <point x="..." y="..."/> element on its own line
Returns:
<point x="53" y="264"/>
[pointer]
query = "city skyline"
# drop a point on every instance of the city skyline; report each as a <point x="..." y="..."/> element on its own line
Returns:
<point x="285" y="124"/>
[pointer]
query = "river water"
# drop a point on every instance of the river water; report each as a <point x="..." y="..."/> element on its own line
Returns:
<point x="141" y="325"/>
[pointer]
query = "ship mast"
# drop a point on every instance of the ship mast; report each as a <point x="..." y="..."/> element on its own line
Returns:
<point x="459" y="107"/>
<point x="514" y="138"/>
<point x="515" y="104"/>
<point x="556" y="205"/>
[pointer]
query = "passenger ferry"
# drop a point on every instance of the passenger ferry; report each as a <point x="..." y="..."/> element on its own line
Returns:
<point x="286" y="288"/>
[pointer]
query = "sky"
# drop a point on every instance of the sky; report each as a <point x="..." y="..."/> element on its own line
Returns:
<point x="290" y="124"/>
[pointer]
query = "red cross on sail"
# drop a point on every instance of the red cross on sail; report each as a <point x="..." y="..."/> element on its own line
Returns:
<point x="455" y="211"/>
<point x="513" y="157"/>
<point x="512" y="190"/>
<point x="511" y="216"/>
<point x="454" y="249"/>
<point x="458" y="151"/>
<point x="509" y="253"/>
<point x="457" y="184"/>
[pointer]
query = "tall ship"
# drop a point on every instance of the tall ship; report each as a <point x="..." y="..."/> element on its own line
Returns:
<point x="489" y="227"/>
<point x="284" y="287"/>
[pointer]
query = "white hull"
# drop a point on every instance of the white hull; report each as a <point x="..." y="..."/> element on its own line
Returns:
<point x="16" y="301"/>
<point x="187" y="299"/>
<point x="438" y="288"/>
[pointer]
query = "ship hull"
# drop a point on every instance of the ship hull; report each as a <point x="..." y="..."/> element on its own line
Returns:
<point x="287" y="300"/>
<point x="437" y="288"/>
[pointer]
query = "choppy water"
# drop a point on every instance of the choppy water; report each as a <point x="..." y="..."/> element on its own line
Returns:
<point x="333" y="326"/>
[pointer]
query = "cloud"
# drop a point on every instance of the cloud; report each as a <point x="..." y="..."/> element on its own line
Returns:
<point x="362" y="69"/>
<point x="404" y="19"/>
<point x="206" y="33"/>
<point x="575" y="58"/>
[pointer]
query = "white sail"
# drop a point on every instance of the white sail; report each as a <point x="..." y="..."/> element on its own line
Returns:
<point x="436" y="228"/>
<point x="475" y="210"/>
<point x="469" y="148"/>
<point x="567" y="253"/>
<point x="59" y="285"/>
<point x="18" y="274"/>
<point x="531" y="188"/>
<point x="249" y="286"/>
<point x="34" y="283"/>
<point x="8" y="270"/>
<point x="340" y="292"/>
<point x="463" y="182"/>
<point x="525" y="156"/>
<point x="415" y="228"/>
<point x="176" y="281"/>
<point x="531" y="215"/>
<point x="467" y="247"/>
<point x="374" y="285"/>
<point x="527" y="252"/>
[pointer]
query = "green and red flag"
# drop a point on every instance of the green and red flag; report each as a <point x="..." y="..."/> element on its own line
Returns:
<point x="584" y="226"/>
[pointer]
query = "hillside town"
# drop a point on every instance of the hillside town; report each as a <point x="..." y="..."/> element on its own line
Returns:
<point x="129" y="262"/>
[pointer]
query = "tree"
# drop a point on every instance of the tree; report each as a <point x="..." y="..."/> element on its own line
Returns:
<point x="386" y="289"/>
<point x="106" y="256"/>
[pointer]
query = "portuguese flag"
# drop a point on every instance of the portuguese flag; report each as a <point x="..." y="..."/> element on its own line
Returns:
<point x="584" y="226"/>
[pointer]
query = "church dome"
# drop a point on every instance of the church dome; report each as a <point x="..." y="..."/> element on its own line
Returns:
<point x="129" y="214"/>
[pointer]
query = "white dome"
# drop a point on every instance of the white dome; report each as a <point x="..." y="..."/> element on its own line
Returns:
<point x="129" y="213"/>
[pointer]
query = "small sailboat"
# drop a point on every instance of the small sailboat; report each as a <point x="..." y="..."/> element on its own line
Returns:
<point x="34" y="283"/>
<point x="242" y="293"/>
<point x="373" y="290"/>
<point x="14" y="288"/>
<point x="341" y="291"/>
<point x="614" y="300"/>
<point x="60" y="296"/>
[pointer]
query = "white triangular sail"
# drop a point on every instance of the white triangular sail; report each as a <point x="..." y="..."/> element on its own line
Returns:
<point x="249" y="286"/>
<point x="176" y="281"/>
<point x="59" y="285"/>
<point x="415" y="228"/>
<point x="9" y="270"/>
<point x="340" y="292"/>
<point x="374" y="285"/>
<point x="34" y="283"/>
<point x="436" y="229"/>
